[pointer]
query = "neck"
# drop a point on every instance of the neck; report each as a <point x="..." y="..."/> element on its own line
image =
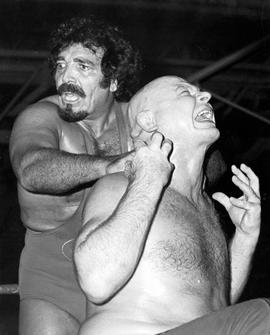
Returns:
<point x="188" y="176"/>
<point x="102" y="118"/>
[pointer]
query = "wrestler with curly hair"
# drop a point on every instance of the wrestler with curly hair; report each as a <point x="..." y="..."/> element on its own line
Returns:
<point x="59" y="147"/>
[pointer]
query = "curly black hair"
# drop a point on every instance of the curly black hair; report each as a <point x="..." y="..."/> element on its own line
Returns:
<point x="121" y="61"/>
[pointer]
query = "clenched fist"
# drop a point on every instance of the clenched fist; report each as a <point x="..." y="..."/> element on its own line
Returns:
<point x="151" y="161"/>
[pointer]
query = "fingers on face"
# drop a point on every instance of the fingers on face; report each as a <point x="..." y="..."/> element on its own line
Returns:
<point x="246" y="180"/>
<point x="167" y="146"/>
<point x="156" y="140"/>
<point x="159" y="142"/>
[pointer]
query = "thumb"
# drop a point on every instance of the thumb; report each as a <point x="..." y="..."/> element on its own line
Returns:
<point x="222" y="199"/>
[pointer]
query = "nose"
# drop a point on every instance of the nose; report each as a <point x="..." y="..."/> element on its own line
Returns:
<point x="68" y="75"/>
<point x="204" y="96"/>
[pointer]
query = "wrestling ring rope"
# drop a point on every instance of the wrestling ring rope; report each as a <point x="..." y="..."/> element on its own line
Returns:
<point x="9" y="289"/>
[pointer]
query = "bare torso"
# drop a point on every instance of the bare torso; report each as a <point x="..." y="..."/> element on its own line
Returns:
<point x="51" y="211"/>
<point x="182" y="275"/>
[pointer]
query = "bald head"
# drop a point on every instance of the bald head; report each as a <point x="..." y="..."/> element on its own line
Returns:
<point x="154" y="94"/>
<point x="153" y="98"/>
<point x="176" y="108"/>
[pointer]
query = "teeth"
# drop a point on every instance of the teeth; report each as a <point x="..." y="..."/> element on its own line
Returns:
<point x="70" y="97"/>
<point x="205" y="114"/>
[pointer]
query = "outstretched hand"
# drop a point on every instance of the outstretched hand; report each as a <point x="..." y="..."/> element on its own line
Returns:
<point x="245" y="211"/>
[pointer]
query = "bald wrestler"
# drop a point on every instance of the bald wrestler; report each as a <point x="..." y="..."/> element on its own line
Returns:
<point x="151" y="256"/>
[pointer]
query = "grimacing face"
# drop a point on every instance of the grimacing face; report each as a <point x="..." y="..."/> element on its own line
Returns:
<point x="182" y="112"/>
<point x="78" y="78"/>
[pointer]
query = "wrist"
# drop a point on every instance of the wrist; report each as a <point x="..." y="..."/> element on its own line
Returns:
<point x="147" y="184"/>
<point x="244" y="243"/>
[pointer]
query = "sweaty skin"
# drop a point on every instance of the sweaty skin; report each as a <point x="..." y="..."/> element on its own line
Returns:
<point x="42" y="212"/>
<point x="53" y="220"/>
<point x="55" y="161"/>
<point x="59" y="148"/>
<point x="182" y="275"/>
<point x="151" y="255"/>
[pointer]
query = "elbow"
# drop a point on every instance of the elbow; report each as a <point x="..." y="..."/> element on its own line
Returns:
<point x="24" y="178"/>
<point x="97" y="286"/>
<point x="24" y="181"/>
<point x="26" y="170"/>
<point x="97" y="290"/>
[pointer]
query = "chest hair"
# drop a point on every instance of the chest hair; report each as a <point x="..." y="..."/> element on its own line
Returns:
<point x="194" y="243"/>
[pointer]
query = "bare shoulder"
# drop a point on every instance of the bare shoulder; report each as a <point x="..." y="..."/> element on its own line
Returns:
<point x="40" y="109"/>
<point x="52" y="98"/>
<point x="40" y="115"/>
<point x="104" y="196"/>
<point x="38" y="125"/>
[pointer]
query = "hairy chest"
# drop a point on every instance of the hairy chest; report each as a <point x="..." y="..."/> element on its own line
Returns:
<point x="109" y="142"/>
<point x="75" y="139"/>
<point x="188" y="241"/>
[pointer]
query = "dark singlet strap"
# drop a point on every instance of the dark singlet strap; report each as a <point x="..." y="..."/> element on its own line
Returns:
<point x="123" y="129"/>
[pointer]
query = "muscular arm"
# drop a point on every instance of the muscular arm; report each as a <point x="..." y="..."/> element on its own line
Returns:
<point x="53" y="171"/>
<point x="39" y="163"/>
<point x="108" y="251"/>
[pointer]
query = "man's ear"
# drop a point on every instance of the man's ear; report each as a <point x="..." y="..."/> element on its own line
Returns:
<point x="146" y="121"/>
<point x="113" y="85"/>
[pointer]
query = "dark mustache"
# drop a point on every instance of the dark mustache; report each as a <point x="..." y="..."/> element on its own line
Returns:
<point x="71" y="88"/>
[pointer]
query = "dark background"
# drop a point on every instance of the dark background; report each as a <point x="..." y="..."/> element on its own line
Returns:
<point x="180" y="37"/>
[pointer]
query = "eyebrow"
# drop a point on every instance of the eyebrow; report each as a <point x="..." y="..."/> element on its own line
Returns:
<point x="79" y="60"/>
<point x="84" y="60"/>
<point x="60" y="58"/>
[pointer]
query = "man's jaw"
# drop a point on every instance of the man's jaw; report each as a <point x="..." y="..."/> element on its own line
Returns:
<point x="67" y="113"/>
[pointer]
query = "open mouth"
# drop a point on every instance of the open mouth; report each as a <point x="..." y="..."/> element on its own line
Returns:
<point x="70" y="98"/>
<point x="205" y="115"/>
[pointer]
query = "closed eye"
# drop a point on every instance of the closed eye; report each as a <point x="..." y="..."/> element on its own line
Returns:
<point x="184" y="92"/>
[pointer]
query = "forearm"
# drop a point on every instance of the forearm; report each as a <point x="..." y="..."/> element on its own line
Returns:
<point x="108" y="253"/>
<point x="241" y="253"/>
<point x="55" y="172"/>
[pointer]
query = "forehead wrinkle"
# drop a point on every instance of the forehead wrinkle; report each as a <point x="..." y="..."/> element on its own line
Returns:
<point x="157" y="94"/>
